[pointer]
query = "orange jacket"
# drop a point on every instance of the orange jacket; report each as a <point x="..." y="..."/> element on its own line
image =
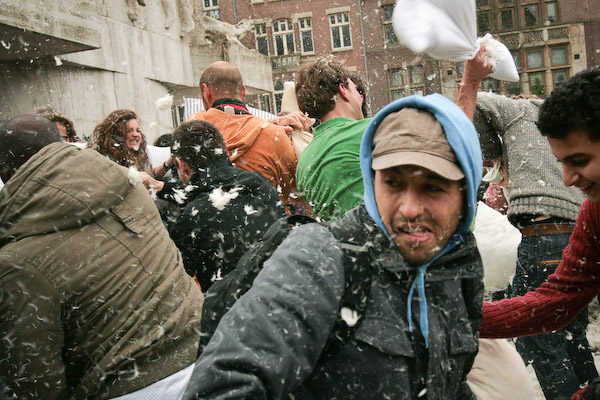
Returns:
<point x="254" y="144"/>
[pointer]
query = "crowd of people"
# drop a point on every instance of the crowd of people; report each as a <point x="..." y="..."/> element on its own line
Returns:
<point x="106" y="255"/>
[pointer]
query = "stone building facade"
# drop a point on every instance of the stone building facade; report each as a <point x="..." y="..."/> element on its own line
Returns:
<point x="86" y="58"/>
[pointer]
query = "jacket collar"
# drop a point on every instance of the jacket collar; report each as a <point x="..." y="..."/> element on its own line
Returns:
<point x="238" y="106"/>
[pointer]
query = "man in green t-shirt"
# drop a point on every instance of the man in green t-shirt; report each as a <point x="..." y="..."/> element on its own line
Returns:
<point x="328" y="173"/>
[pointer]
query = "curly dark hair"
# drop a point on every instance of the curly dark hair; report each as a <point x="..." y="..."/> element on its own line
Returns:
<point x="317" y="85"/>
<point x="573" y="106"/>
<point x="49" y="113"/>
<point x="197" y="143"/>
<point x="109" y="136"/>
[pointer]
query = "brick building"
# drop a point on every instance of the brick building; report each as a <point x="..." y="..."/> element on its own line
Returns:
<point x="550" y="41"/>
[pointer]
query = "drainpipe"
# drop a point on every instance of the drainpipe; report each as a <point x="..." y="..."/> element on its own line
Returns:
<point x="362" y="34"/>
<point x="235" y="17"/>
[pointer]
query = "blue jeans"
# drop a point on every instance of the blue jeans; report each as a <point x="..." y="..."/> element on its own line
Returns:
<point x="562" y="360"/>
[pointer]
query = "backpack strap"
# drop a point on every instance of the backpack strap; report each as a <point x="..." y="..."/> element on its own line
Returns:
<point x="358" y="273"/>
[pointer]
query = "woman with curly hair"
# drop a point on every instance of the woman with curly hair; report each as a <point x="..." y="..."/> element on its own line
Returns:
<point x="119" y="138"/>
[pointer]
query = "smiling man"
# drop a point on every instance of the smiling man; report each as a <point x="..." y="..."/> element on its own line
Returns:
<point x="570" y="119"/>
<point x="416" y="332"/>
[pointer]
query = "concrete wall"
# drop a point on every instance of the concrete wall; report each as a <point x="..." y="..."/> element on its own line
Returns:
<point x="134" y="55"/>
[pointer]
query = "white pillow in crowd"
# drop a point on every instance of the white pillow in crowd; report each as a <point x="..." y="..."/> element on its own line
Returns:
<point x="158" y="155"/>
<point x="447" y="30"/>
<point x="497" y="241"/>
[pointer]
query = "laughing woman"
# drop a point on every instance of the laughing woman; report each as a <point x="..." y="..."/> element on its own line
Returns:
<point x="119" y="138"/>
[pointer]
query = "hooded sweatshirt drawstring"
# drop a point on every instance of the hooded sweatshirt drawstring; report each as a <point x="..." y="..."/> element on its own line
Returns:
<point x="419" y="283"/>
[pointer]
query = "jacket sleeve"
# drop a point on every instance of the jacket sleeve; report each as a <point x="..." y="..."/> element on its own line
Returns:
<point x="494" y="116"/>
<point x="271" y="339"/>
<point x="566" y="292"/>
<point x="31" y="348"/>
<point x="284" y="162"/>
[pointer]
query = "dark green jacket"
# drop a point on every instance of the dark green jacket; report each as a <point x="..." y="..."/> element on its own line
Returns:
<point x="95" y="302"/>
<point x="272" y="341"/>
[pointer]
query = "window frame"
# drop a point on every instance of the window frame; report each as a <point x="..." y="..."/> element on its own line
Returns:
<point x="535" y="50"/>
<point x="412" y="68"/>
<point x="214" y="5"/>
<point x="309" y="29"/>
<point x="339" y="26"/>
<point x="398" y="71"/>
<point x="480" y="14"/>
<point x="388" y="27"/>
<point x="512" y="16"/>
<point x="285" y="34"/>
<point x="277" y="95"/>
<point x="554" y="71"/>
<point x="213" y="10"/>
<point x="537" y="15"/>
<point x="543" y="74"/>
<point x="566" y="49"/>
<point x="547" y="11"/>
<point x="261" y="35"/>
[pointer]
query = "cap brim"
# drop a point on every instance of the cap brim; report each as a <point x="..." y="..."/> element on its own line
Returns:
<point x="439" y="165"/>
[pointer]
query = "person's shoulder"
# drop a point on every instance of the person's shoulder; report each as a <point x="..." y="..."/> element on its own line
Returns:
<point x="268" y="127"/>
<point x="199" y="115"/>
<point x="312" y="238"/>
<point x="591" y="210"/>
<point x="253" y="179"/>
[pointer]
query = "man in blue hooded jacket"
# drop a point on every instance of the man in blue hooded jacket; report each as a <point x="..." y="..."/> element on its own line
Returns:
<point x="417" y="335"/>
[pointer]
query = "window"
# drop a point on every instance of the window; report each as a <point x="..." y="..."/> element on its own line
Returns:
<point x="483" y="3"/>
<point x="278" y="93"/>
<point x="535" y="59"/>
<point x="211" y="8"/>
<point x="397" y="94"/>
<point x="506" y="18"/>
<point x="340" y="31"/>
<point x="490" y="85"/>
<point x="283" y="36"/>
<point x="418" y="91"/>
<point x="514" y="88"/>
<point x="265" y="102"/>
<point x="516" y="59"/>
<point x="390" y="35"/>
<point x="530" y="15"/>
<point x="536" y="83"/>
<point x="551" y="12"/>
<point x="460" y="66"/>
<point x="262" y="43"/>
<point x="559" y="55"/>
<point x="506" y="2"/>
<point x="395" y="75"/>
<point x="483" y="23"/>
<point x="560" y="77"/>
<point x="388" y="12"/>
<point x="416" y="74"/>
<point x="306" y="35"/>
<point x="396" y="83"/>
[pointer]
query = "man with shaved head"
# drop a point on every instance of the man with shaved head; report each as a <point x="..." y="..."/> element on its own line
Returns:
<point x="254" y="144"/>
<point x="95" y="302"/>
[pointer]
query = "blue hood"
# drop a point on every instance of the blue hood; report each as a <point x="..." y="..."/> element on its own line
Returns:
<point x="463" y="139"/>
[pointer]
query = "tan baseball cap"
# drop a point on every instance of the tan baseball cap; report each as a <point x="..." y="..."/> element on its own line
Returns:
<point x="414" y="137"/>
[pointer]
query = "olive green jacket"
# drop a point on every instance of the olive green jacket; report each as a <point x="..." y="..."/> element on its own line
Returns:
<point x="94" y="299"/>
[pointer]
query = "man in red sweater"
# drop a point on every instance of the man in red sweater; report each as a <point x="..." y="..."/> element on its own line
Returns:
<point x="570" y="119"/>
